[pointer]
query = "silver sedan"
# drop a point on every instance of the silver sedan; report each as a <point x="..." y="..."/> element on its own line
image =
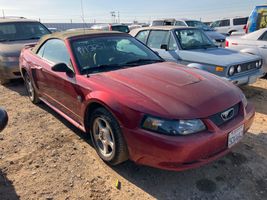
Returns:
<point x="252" y="43"/>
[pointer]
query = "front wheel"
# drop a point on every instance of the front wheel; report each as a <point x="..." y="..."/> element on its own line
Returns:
<point x="107" y="137"/>
<point x="30" y="89"/>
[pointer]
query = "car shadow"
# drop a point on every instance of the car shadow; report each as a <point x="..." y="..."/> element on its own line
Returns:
<point x="17" y="86"/>
<point x="227" y="178"/>
<point x="7" y="190"/>
<point x="74" y="129"/>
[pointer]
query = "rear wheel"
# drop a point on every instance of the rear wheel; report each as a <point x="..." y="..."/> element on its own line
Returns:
<point x="30" y="89"/>
<point x="107" y="137"/>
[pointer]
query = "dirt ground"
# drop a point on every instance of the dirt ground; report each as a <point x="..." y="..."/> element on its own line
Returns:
<point x="42" y="156"/>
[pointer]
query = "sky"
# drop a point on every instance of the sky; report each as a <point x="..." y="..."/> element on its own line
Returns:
<point x="139" y="10"/>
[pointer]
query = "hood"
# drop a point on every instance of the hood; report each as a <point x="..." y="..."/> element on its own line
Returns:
<point x="169" y="90"/>
<point x="215" y="35"/>
<point x="13" y="48"/>
<point x="216" y="56"/>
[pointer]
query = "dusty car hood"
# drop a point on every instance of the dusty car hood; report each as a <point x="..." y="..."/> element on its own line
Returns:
<point x="215" y="35"/>
<point x="216" y="56"/>
<point x="169" y="90"/>
<point x="13" y="48"/>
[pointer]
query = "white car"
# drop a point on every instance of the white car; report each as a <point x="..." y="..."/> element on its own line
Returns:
<point x="252" y="43"/>
<point x="231" y="25"/>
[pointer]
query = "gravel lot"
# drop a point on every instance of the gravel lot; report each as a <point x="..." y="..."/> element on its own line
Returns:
<point x="44" y="157"/>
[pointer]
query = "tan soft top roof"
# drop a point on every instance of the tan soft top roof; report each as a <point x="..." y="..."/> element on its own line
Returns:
<point x="73" y="34"/>
<point x="164" y="28"/>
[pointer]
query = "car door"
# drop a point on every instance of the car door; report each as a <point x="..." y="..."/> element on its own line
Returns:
<point x="224" y="26"/>
<point x="159" y="41"/>
<point x="59" y="88"/>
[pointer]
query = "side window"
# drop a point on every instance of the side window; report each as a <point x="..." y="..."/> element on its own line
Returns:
<point x="56" y="52"/>
<point x="157" y="38"/>
<point x="264" y="36"/>
<point x="41" y="50"/>
<point x="179" y="23"/>
<point x="215" y="24"/>
<point x="172" y="44"/>
<point x="240" y="21"/>
<point x="142" y="36"/>
<point x="225" y="22"/>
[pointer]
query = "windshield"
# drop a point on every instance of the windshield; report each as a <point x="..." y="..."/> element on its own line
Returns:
<point x="193" y="39"/>
<point x="124" y="29"/>
<point x="22" y="31"/>
<point x="111" y="53"/>
<point x="199" y="24"/>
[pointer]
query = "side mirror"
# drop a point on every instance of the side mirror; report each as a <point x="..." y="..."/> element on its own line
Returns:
<point x="3" y="119"/>
<point x="62" y="67"/>
<point x="164" y="46"/>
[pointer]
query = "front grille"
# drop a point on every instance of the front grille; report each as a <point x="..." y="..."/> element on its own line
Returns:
<point x="217" y="118"/>
<point x="248" y="66"/>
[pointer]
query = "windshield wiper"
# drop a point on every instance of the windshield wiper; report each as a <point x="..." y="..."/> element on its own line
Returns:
<point x="101" y="68"/>
<point x="138" y="61"/>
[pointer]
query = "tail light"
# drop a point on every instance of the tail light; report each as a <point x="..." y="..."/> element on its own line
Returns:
<point x="226" y="43"/>
<point x="245" y="28"/>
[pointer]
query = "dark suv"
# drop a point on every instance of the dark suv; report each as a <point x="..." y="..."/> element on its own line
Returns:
<point x="14" y="34"/>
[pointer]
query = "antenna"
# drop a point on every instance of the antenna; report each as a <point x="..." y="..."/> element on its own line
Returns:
<point x="83" y="15"/>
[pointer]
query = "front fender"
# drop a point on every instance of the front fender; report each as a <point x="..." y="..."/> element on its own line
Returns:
<point x="114" y="106"/>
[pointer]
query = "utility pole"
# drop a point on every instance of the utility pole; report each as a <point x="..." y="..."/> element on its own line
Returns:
<point x="3" y="12"/>
<point x="113" y="16"/>
<point x="119" y="20"/>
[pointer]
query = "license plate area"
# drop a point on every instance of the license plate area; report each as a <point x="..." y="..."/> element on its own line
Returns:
<point x="235" y="136"/>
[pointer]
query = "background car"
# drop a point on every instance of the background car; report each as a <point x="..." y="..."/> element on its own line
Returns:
<point x="228" y="26"/>
<point x="252" y="43"/>
<point x="112" y="27"/>
<point x="135" y="105"/>
<point x="257" y="19"/>
<point x="191" y="46"/>
<point x="218" y="38"/>
<point x="14" y="34"/>
<point x="3" y="119"/>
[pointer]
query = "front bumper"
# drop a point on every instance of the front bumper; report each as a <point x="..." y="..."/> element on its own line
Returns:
<point x="184" y="152"/>
<point x="246" y="79"/>
<point x="9" y="70"/>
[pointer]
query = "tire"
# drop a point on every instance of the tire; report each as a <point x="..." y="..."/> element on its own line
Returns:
<point x="4" y="81"/>
<point x="30" y="89"/>
<point x="107" y="137"/>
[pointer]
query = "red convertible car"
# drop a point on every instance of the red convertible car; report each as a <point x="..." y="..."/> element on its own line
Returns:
<point x="133" y="104"/>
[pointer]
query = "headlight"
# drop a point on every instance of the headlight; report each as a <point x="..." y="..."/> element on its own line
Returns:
<point x="232" y="70"/>
<point x="244" y="100"/>
<point x="239" y="68"/>
<point x="173" y="127"/>
<point x="259" y="64"/>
